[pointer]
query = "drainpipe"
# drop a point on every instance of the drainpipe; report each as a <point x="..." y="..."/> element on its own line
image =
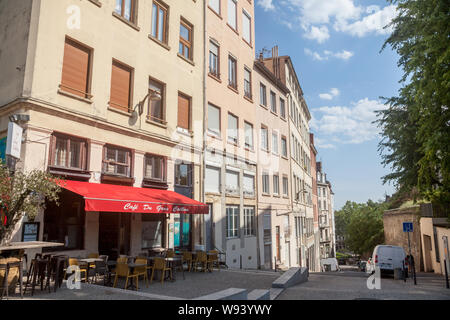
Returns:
<point x="203" y="169"/>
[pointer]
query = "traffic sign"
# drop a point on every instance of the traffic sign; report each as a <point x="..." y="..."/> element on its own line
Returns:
<point x="407" y="227"/>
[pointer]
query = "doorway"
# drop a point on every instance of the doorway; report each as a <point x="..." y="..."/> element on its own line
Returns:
<point x="183" y="222"/>
<point x="114" y="234"/>
<point x="277" y="228"/>
<point x="427" y="253"/>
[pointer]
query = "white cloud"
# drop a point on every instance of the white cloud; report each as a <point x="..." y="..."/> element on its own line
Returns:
<point x="320" y="34"/>
<point x="343" y="55"/>
<point x="267" y="5"/>
<point x="352" y="124"/>
<point x="334" y="92"/>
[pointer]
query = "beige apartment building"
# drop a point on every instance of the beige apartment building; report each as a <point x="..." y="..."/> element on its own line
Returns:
<point x="326" y="215"/>
<point x="114" y="92"/>
<point x="273" y="172"/>
<point x="303" y="249"/>
<point x="231" y="150"/>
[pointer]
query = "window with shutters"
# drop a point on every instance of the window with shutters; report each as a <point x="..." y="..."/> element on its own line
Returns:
<point x="232" y="73"/>
<point x="121" y="86"/>
<point x="249" y="185"/>
<point x="184" y="112"/>
<point x="273" y="102"/>
<point x="286" y="186"/>
<point x="116" y="161"/>
<point x="126" y="9"/>
<point x="232" y="182"/>
<point x="76" y="71"/>
<point x="275" y="143"/>
<point x="232" y="14"/>
<point x="159" y="21"/>
<point x="215" y="5"/>
<point x="248" y="135"/>
<point x="212" y="180"/>
<point x="264" y="138"/>
<point x="214" y="59"/>
<point x="185" y="46"/>
<point x="233" y="128"/>
<point x="214" y="120"/>
<point x="282" y="109"/>
<point x="156" y="107"/>
<point x="246" y="27"/>
<point x="276" y="185"/>
<point x="284" y="151"/>
<point x="247" y="83"/>
<point x="262" y="95"/>
<point x="265" y="183"/>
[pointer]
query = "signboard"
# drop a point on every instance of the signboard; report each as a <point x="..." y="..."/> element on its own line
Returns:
<point x="3" y="149"/>
<point x="30" y="231"/>
<point x="407" y="227"/>
<point x="14" y="140"/>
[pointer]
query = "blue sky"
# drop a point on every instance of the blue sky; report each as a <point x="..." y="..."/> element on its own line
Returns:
<point x="335" y="47"/>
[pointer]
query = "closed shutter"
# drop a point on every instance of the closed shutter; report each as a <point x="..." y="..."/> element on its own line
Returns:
<point x="120" y="86"/>
<point x="184" y="106"/>
<point x="75" y="73"/>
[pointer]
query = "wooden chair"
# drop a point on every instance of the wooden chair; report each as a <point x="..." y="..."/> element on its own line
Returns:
<point x="213" y="260"/>
<point x="123" y="271"/>
<point x="141" y="271"/>
<point x="161" y="265"/>
<point x="201" y="261"/>
<point x="9" y="272"/>
<point x="187" y="257"/>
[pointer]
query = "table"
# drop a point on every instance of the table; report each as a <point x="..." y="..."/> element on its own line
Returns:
<point x="172" y="262"/>
<point x="89" y="261"/>
<point x="29" y="245"/>
<point x="110" y="264"/>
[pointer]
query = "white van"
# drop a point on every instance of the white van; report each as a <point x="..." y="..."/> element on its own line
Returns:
<point x="388" y="258"/>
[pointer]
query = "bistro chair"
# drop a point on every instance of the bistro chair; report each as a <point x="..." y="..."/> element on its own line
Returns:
<point x="160" y="264"/>
<point x="141" y="271"/>
<point x="170" y="253"/>
<point x="213" y="260"/>
<point x="10" y="272"/>
<point x="123" y="271"/>
<point x="83" y="268"/>
<point x="201" y="261"/>
<point x="187" y="257"/>
<point x="101" y="269"/>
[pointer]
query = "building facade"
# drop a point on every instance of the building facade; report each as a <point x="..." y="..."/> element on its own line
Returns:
<point x="114" y="92"/>
<point x="230" y="142"/>
<point x="326" y="215"/>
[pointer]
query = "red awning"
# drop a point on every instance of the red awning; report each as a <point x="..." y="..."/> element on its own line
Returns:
<point x="113" y="198"/>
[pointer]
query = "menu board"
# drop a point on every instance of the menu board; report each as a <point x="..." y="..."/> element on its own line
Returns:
<point x="30" y="231"/>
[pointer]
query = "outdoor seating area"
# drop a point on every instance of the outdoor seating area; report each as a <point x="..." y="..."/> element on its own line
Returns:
<point x="47" y="272"/>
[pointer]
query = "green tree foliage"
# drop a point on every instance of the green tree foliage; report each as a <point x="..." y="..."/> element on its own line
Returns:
<point x="362" y="225"/>
<point x="23" y="194"/>
<point x="416" y="125"/>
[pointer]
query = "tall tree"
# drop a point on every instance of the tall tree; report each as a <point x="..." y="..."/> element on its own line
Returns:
<point x="416" y="125"/>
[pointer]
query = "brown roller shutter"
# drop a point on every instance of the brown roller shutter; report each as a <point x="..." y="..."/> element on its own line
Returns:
<point x="75" y="74"/>
<point x="120" y="86"/>
<point x="184" y="106"/>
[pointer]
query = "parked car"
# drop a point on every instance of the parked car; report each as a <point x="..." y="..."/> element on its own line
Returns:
<point x="370" y="267"/>
<point x="362" y="265"/>
<point x="388" y="258"/>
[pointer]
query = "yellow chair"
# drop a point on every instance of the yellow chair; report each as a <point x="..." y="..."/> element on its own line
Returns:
<point x="141" y="271"/>
<point x="213" y="260"/>
<point x="93" y="256"/>
<point x="187" y="257"/>
<point x="170" y="254"/>
<point x="123" y="271"/>
<point x="201" y="261"/>
<point x="83" y="268"/>
<point x="161" y="265"/>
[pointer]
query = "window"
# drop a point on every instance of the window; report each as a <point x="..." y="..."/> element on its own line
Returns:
<point x="76" y="71"/>
<point x="232" y="76"/>
<point x="68" y="152"/>
<point x="215" y="5"/>
<point x="121" y="83"/>
<point x="232" y="129"/>
<point x="214" y="59"/>
<point x="213" y="120"/>
<point x="249" y="185"/>
<point x="273" y="102"/>
<point x="232" y="182"/>
<point x="159" y="22"/>
<point x="247" y="27"/>
<point x="248" y="135"/>
<point x="185" y="48"/>
<point x="117" y="161"/>
<point x="155" y="107"/>
<point x="285" y="186"/>
<point x="247" y="83"/>
<point x="212" y="180"/>
<point x="262" y="95"/>
<point x="249" y="221"/>
<point x="275" y="142"/>
<point x="284" y="147"/>
<point x="155" y="167"/>
<point x="126" y="9"/>
<point x="265" y="183"/>
<point x="232" y="221"/>
<point x="183" y="175"/>
<point x="184" y="112"/>
<point x="232" y="12"/>
<point x="282" y="109"/>
<point x="276" y="185"/>
<point x="264" y="139"/>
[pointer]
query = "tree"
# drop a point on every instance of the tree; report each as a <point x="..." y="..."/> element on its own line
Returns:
<point x="23" y="194"/>
<point x="362" y="225"/>
<point x="416" y="125"/>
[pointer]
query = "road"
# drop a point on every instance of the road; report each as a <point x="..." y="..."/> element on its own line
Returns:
<point x="352" y="285"/>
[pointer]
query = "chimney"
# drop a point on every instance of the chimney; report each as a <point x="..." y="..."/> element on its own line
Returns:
<point x="319" y="166"/>
<point x="261" y="56"/>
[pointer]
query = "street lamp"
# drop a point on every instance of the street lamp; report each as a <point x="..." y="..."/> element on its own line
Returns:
<point x="152" y="96"/>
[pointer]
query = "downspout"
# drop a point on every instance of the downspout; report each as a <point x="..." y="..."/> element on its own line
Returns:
<point x="203" y="169"/>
